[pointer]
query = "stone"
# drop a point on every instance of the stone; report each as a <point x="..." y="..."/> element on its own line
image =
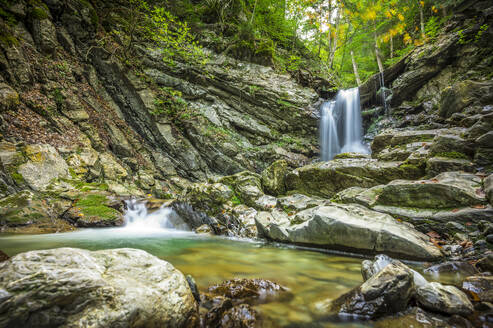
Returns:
<point x="252" y="291"/>
<point x="273" y="178"/>
<point x="44" y="165"/>
<point x="443" y="144"/>
<point x="94" y="210"/>
<point x="246" y="185"/>
<point x="299" y="202"/>
<point x="44" y="33"/>
<point x="485" y="140"/>
<point x="387" y="292"/>
<point x="75" y="287"/>
<point x="112" y="170"/>
<point x="347" y="227"/>
<point x="9" y="99"/>
<point x="454" y="270"/>
<point x="444" y="191"/>
<point x="447" y="299"/>
<point x="327" y="178"/>
<point x="486" y="263"/>
<point x="208" y="197"/>
<point x="437" y="165"/>
<point x="480" y="287"/>
<point x="488" y="188"/>
<point x="246" y="217"/>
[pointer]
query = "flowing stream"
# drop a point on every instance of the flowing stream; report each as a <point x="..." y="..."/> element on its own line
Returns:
<point x="311" y="276"/>
<point x="341" y="129"/>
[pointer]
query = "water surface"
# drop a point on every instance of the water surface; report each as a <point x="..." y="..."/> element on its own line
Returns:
<point x="311" y="276"/>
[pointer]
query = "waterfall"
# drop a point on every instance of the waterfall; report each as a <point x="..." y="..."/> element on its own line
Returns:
<point x="328" y="132"/>
<point x="138" y="218"/>
<point x="341" y="128"/>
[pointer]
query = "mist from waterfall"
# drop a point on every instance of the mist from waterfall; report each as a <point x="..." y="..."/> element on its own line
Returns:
<point x="341" y="129"/>
<point x="137" y="218"/>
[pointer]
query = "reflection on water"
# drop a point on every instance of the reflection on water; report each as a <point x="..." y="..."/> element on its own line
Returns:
<point x="311" y="276"/>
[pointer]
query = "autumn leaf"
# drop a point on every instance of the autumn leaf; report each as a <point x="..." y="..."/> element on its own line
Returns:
<point x="433" y="234"/>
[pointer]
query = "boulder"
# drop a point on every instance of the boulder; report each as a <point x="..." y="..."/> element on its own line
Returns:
<point x="273" y="178"/>
<point x="480" y="287"/>
<point x="44" y="165"/>
<point x="387" y="292"/>
<point x="347" y="227"/>
<point x="488" y="188"/>
<point x="44" y="32"/>
<point x="447" y="299"/>
<point x="299" y="202"/>
<point x="109" y="288"/>
<point x="450" y="144"/>
<point x="208" y="197"/>
<point x="112" y="170"/>
<point x="246" y="185"/>
<point x="437" y="165"/>
<point x="94" y="210"/>
<point x="327" y="178"/>
<point x="446" y="190"/>
<point x="9" y="98"/>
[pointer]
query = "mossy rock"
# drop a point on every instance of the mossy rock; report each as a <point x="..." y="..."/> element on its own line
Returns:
<point x="93" y="210"/>
<point x="273" y="178"/>
<point x="23" y="209"/>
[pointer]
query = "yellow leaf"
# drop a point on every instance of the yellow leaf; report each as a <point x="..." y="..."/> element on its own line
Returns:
<point x="401" y="18"/>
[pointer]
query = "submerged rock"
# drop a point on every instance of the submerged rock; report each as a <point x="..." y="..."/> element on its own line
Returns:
<point x="480" y="287"/>
<point x="249" y="290"/>
<point x="347" y="227"/>
<point x="109" y="288"/>
<point x="447" y="299"/>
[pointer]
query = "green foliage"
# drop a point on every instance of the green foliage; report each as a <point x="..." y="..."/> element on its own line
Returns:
<point x="235" y="200"/>
<point x="480" y="33"/>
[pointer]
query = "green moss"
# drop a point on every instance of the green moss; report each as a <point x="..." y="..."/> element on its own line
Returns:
<point x="95" y="205"/>
<point x="453" y="154"/>
<point x="18" y="178"/>
<point x="235" y="200"/>
<point x="38" y="13"/>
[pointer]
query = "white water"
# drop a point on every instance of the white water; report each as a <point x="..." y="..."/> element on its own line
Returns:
<point x="137" y="218"/>
<point x="341" y="129"/>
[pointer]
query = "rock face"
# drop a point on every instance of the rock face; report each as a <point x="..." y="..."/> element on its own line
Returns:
<point x="350" y="227"/>
<point x="74" y="287"/>
<point x="439" y="298"/>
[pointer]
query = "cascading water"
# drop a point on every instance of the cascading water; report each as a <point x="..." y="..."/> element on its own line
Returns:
<point x="341" y="129"/>
<point x="137" y="218"/>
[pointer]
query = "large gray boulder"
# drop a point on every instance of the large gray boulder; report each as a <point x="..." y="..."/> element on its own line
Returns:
<point x="327" y="178"/>
<point x="389" y="291"/>
<point x="348" y="227"/>
<point x="445" y="191"/>
<point x="77" y="288"/>
<point x="447" y="299"/>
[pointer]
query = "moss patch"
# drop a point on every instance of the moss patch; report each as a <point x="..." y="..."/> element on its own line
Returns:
<point x="452" y="154"/>
<point x="95" y="205"/>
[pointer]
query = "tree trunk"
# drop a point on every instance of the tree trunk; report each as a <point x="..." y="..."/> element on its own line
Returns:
<point x="391" y="46"/>
<point x="377" y="55"/>
<point x="422" y="22"/>
<point x="355" y="68"/>
<point x="334" y="42"/>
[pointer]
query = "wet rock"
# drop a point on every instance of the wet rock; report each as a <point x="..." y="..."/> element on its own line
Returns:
<point x="480" y="287"/>
<point x="75" y="287"/>
<point x="348" y="227"/>
<point x="43" y="166"/>
<point x="389" y="291"/>
<point x="3" y="256"/>
<point x="488" y="188"/>
<point x="327" y="178"/>
<point x="252" y="291"/>
<point x="112" y="170"/>
<point x="241" y="316"/>
<point x="486" y="263"/>
<point x="455" y="268"/>
<point x="273" y="178"/>
<point x="204" y="229"/>
<point x="370" y="268"/>
<point x="447" y="299"/>
<point x="246" y="217"/>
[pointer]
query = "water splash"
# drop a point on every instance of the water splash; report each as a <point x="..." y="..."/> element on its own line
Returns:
<point x="341" y="128"/>
<point x="137" y="218"/>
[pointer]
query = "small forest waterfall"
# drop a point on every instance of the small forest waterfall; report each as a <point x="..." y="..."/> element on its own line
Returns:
<point x="341" y="128"/>
<point x="137" y="218"/>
